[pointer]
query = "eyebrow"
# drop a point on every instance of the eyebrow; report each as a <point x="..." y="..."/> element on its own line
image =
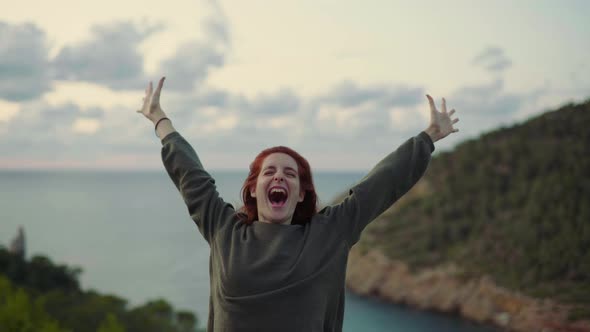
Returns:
<point x="273" y="167"/>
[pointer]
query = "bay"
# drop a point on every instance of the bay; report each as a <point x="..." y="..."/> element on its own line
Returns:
<point x="131" y="234"/>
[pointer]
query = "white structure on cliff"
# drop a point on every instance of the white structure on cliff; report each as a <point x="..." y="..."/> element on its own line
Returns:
<point x="17" y="246"/>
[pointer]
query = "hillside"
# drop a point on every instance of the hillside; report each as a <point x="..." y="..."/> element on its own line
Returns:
<point x="39" y="295"/>
<point x="513" y="204"/>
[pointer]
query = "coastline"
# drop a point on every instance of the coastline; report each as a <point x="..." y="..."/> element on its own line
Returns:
<point x="445" y="289"/>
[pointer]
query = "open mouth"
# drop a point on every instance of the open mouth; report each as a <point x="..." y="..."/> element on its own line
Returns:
<point x="277" y="196"/>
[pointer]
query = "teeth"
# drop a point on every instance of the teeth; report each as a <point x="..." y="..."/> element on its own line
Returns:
<point x="279" y="190"/>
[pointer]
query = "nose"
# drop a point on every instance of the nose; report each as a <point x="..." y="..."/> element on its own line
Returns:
<point x="278" y="178"/>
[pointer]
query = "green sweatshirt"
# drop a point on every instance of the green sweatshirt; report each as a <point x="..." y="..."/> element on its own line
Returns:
<point x="273" y="277"/>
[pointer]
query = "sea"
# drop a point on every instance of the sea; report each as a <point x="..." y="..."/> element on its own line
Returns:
<point x="132" y="236"/>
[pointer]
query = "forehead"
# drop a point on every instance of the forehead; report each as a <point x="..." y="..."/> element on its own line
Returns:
<point x="279" y="159"/>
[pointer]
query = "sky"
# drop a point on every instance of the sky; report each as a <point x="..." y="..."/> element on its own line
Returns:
<point x="341" y="82"/>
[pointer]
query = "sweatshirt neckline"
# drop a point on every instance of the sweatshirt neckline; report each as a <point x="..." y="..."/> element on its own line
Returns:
<point x="269" y="224"/>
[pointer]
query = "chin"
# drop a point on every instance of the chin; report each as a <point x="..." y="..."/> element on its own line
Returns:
<point x="278" y="219"/>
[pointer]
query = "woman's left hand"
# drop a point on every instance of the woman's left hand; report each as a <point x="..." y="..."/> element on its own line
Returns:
<point x="151" y="102"/>
<point x="441" y="124"/>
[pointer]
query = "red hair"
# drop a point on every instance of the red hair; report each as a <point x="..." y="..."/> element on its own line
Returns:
<point x="303" y="211"/>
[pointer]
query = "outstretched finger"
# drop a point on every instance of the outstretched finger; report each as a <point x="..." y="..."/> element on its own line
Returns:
<point x="455" y="121"/>
<point x="452" y="112"/>
<point x="159" y="88"/>
<point x="431" y="102"/>
<point x="148" y="95"/>
<point x="444" y="105"/>
<point x="149" y="91"/>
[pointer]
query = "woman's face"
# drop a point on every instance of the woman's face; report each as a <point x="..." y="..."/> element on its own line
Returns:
<point x="277" y="189"/>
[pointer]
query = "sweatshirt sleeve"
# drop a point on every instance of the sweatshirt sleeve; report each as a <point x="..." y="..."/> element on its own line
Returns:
<point x="195" y="185"/>
<point x="389" y="180"/>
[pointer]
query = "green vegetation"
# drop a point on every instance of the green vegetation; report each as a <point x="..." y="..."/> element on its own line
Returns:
<point x="513" y="203"/>
<point x="41" y="296"/>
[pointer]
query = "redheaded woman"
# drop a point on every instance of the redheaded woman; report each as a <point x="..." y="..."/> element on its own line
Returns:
<point x="278" y="264"/>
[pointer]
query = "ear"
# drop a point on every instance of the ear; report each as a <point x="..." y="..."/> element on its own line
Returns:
<point x="301" y="195"/>
<point x="253" y="193"/>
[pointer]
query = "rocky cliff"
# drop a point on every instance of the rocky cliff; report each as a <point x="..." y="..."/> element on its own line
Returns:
<point x="446" y="288"/>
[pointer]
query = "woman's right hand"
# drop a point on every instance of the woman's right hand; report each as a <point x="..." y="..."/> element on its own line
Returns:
<point x="151" y="102"/>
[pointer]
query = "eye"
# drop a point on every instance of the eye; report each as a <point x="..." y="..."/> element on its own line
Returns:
<point x="291" y="175"/>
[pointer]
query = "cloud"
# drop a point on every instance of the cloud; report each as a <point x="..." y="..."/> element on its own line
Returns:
<point x="352" y="117"/>
<point x="24" y="71"/>
<point x="487" y="101"/>
<point x="8" y="110"/>
<point x="359" y="122"/>
<point x="492" y="59"/>
<point x="216" y="26"/>
<point x="86" y="126"/>
<point x="43" y="135"/>
<point x="221" y="124"/>
<point x="193" y="60"/>
<point x="40" y="127"/>
<point x="216" y="97"/>
<point x="349" y="93"/>
<point x="346" y="116"/>
<point x="94" y="113"/>
<point x="40" y="130"/>
<point x="190" y="65"/>
<point x="111" y="57"/>
<point x="281" y="102"/>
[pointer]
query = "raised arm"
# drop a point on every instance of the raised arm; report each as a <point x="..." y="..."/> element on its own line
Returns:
<point x="206" y="208"/>
<point x="390" y="179"/>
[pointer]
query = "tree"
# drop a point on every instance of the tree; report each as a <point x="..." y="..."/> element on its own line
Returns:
<point x="18" y="313"/>
<point x="111" y="324"/>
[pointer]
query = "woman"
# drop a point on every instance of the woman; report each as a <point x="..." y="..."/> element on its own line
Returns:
<point x="278" y="265"/>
